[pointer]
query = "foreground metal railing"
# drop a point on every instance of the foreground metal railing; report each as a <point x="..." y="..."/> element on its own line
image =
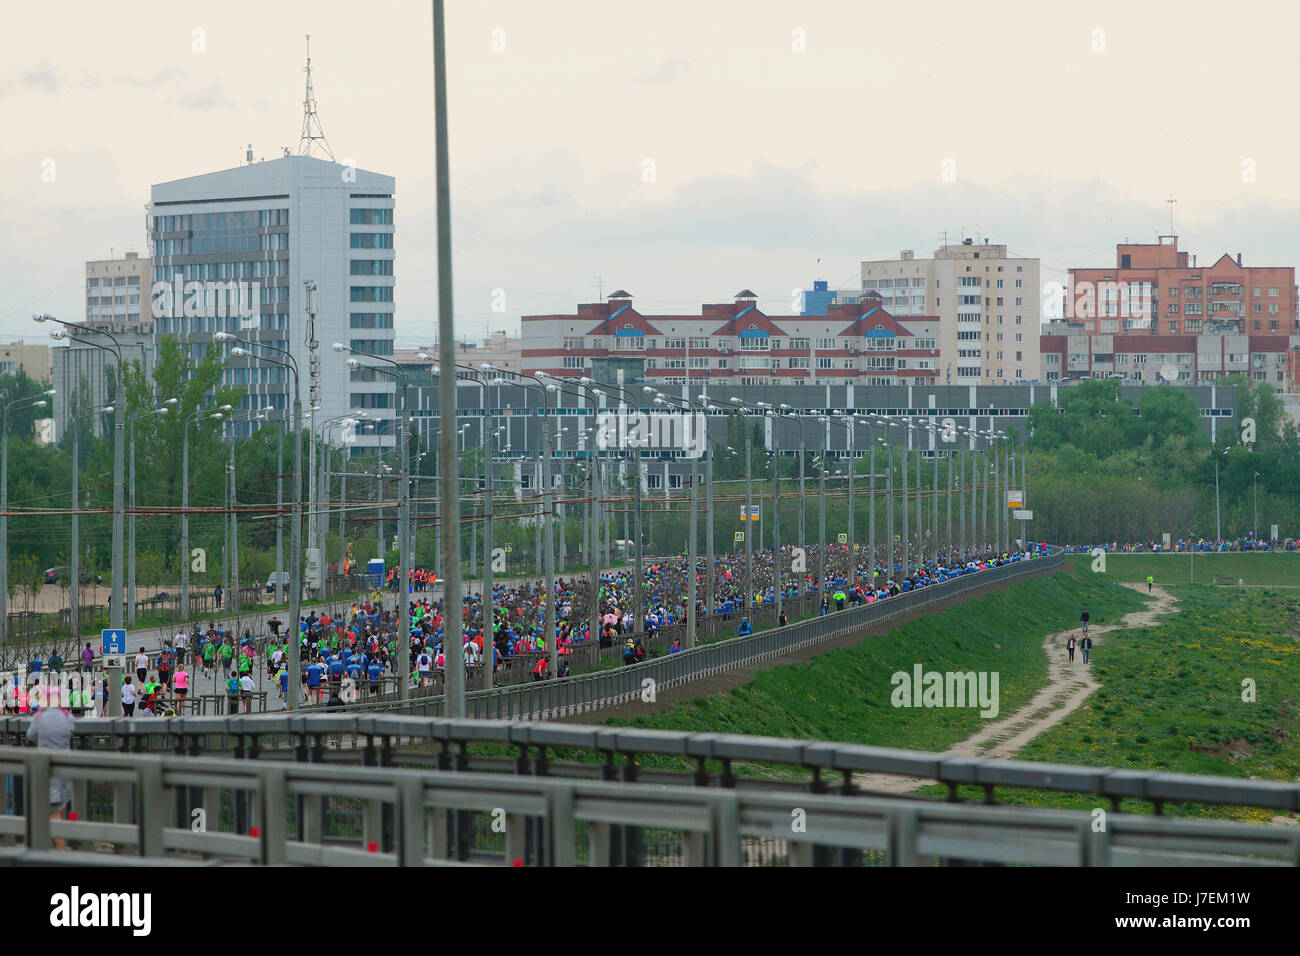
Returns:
<point x="184" y="809"/>
<point x="620" y="754"/>
<point x="585" y="693"/>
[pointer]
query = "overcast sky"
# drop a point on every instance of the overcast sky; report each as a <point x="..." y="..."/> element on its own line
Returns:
<point x="682" y="149"/>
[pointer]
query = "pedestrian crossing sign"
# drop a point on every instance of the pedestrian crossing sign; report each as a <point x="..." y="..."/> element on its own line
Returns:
<point x="844" y="539"/>
<point x="740" y="536"/>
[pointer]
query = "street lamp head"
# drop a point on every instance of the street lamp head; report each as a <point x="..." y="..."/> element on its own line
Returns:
<point x="42" y="403"/>
<point x="223" y="336"/>
<point x="172" y="401"/>
<point x="216" y="416"/>
<point x="224" y="408"/>
<point x="162" y="411"/>
<point x="40" y="317"/>
<point x="239" y="351"/>
<point x="57" y="334"/>
<point x="354" y="363"/>
<point x="340" y="347"/>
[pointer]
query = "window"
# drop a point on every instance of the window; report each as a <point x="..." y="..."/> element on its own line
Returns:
<point x="674" y="343"/>
<point x="370" y="240"/>
<point x="370" y="320"/>
<point x="572" y="361"/>
<point x="700" y="344"/>
<point x="799" y="345"/>
<point x="823" y="363"/>
<point x="370" y="293"/>
<point x="370" y="217"/>
<point x="371" y="267"/>
<point x="1193" y="292"/>
<point x="373" y="346"/>
<point x="370" y="400"/>
<point x="573" y="342"/>
<point x="1273" y="291"/>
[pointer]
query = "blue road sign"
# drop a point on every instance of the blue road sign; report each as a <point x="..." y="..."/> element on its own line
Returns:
<point x="112" y="641"/>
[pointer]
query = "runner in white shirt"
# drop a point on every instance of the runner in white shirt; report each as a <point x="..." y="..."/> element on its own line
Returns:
<point x="423" y="664"/>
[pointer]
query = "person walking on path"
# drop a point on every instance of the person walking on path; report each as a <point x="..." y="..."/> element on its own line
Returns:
<point x="1069" y="646"/>
<point x="1085" y="645"/>
<point x="1083" y="619"/>
<point x="1150" y="581"/>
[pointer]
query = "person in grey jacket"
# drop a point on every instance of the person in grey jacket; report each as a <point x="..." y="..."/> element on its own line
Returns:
<point x="51" y="729"/>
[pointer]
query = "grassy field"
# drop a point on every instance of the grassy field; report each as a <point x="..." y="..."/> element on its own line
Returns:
<point x="844" y="694"/>
<point x="1271" y="568"/>
<point x="1172" y="698"/>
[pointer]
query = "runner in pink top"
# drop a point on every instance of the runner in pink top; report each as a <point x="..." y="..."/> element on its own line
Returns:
<point x="181" y="681"/>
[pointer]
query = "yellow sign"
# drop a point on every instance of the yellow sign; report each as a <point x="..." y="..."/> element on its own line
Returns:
<point x="844" y="539"/>
<point x="740" y="536"/>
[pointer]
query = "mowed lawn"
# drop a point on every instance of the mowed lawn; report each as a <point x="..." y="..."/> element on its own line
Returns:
<point x="1271" y="568"/>
<point x="844" y="694"/>
<point x="1175" y="697"/>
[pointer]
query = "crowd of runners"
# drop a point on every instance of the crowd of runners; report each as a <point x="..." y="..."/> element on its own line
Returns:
<point x="353" y="651"/>
<point x="1183" y="545"/>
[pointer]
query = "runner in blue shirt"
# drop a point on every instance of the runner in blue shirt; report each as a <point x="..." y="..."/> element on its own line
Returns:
<point x="314" y="673"/>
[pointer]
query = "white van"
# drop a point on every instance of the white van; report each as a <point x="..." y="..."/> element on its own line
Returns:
<point x="276" y="581"/>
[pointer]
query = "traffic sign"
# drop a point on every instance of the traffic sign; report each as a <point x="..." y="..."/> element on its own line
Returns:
<point x="752" y="512"/>
<point x="112" y="641"/>
<point x="740" y="536"/>
<point x="1023" y="515"/>
<point x="844" y="538"/>
<point x="1015" y="499"/>
<point x="113" y="662"/>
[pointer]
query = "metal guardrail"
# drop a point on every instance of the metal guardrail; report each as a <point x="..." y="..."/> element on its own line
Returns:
<point x="585" y="693"/>
<point x="416" y="817"/>
<point x="378" y="740"/>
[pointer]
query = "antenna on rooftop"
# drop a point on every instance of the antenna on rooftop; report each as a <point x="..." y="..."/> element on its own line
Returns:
<point x="312" y="131"/>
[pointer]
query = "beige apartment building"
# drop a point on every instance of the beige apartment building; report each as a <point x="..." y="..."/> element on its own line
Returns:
<point x="498" y="349"/>
<point x="34" y="360"/>
<point x="117" y="294"/>
<point x="987" y="303"/>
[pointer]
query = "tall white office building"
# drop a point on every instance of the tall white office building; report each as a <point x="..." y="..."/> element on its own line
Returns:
<point x="232" y="251"/>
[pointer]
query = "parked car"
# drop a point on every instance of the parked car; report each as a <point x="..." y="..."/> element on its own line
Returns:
<point x="61" y="575"/>
<point x="277" y="580"/>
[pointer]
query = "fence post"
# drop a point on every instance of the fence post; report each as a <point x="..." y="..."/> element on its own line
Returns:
<point x="151" y="807"/>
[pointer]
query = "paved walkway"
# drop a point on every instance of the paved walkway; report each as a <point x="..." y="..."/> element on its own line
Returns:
<point x="1069" y="684"/>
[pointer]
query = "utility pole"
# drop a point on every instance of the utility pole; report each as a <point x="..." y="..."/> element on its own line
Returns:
<point x="452" y="611"/>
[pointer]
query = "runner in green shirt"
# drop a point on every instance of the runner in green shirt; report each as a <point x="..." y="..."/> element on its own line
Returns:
<point x="245" y="665"/>
<point x="209" y="656"/>
<point x="227" y="653"/>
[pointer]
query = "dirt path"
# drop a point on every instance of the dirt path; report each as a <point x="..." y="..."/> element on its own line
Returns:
<point x="1068" y="685"/>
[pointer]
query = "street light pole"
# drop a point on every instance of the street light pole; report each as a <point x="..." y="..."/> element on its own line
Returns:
<point x="34" y="401"/>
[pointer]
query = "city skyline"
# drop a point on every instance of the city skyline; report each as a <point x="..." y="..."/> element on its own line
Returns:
<point x="681" y="164"/>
